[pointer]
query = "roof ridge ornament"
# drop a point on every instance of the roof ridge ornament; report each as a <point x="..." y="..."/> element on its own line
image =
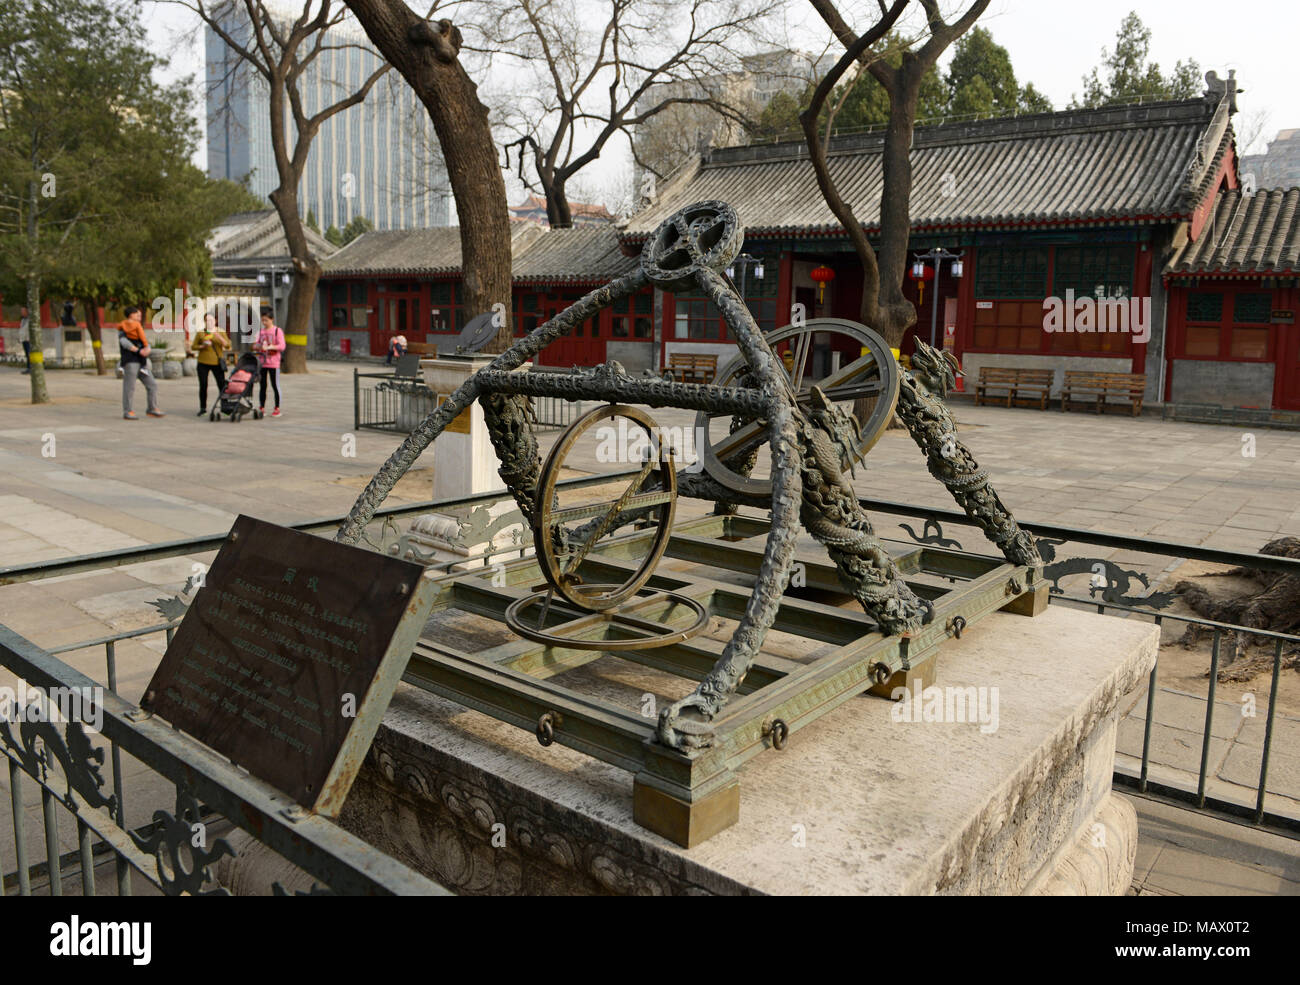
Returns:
<point x="1217" y="89"/>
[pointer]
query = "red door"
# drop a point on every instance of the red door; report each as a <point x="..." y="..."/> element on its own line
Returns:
<point x="581" y="345"/>
<point x="397" y="313"/>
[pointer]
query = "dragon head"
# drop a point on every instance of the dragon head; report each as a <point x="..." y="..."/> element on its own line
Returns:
<point x="938" y="369"/>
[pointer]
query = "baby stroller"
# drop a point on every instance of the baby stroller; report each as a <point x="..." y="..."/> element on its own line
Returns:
<point x="237" y="396"/>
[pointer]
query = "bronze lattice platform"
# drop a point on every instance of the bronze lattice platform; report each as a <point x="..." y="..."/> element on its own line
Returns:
<point x="821" y="651"/>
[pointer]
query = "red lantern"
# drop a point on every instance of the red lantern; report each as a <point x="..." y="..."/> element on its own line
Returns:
<point x="822" y="275"/>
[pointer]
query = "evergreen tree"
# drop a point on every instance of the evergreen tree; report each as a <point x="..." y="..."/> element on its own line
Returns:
<point x="1128" y="74"/>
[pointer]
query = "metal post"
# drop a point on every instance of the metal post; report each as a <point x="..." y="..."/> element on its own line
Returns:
<point x="87" y="858"/>
<point x="1268" y="732"/>
<point x="123" y="870"/>
<point x="1151" y="711"/>
<point x="934" y="301"/>
<point x="20" y="840"/>
<point x="51" y="843"/>
<point x="1209" y="719"/>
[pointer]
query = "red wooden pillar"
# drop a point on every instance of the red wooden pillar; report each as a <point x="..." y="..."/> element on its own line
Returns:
<point x="784" y="287"/>
<point x="1142" y="278"/>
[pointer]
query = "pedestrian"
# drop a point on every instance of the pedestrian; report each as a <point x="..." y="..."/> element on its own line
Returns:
<point x="270" y="344"/>
<point x="396" y="349"/>
<point x="209" y="346"/>
<point x="24" y="326"/>
<point x="134" y="345"/>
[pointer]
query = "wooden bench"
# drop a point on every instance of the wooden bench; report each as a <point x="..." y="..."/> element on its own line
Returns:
<point x="427" y="349"/>
<point x="687" y="368"/>
<point x="1098" y="389"/>
<point x="1013" y="385"/>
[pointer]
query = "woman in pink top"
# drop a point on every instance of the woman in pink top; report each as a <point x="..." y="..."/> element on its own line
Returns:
<point x="270" y="343"/>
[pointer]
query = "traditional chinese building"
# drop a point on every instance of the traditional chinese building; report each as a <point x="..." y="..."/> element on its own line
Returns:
<point x="1069" y="240"/>
<point x="409" y="283"/>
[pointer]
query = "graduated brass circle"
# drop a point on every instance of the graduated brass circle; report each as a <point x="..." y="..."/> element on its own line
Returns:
<point x="877" y="358"/>
<point x="667" y="638"/>
<point x="567" y="582"/>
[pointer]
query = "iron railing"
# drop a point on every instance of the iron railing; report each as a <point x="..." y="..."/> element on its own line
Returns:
<point x="176" y="853"/>
<point x="1113" y="588"/>
<point x="388" y="402"/>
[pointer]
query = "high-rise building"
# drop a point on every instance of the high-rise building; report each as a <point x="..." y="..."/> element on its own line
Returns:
<point x="378" y="159"/>
<point x="1279" y="167"/>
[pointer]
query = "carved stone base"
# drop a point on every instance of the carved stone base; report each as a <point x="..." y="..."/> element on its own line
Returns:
<point x="874" y="797"/>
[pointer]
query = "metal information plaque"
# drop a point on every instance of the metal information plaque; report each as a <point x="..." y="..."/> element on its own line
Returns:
<point x="289" y="655"/>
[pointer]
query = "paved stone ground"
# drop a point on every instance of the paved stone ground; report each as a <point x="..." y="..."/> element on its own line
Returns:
<point x="102" y="483"/>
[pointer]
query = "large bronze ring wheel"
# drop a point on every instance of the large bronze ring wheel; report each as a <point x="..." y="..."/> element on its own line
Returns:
<point x="807" y="351"/>
<point x="562" y="549"/>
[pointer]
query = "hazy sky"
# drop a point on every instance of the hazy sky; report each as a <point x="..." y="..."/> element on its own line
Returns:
<point x="1053" y="44"/>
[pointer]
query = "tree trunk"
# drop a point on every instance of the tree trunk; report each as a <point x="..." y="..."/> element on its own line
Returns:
<point x="306" y="275"/>
<point x="426" y="55"/>
<point x="40" y="394"/>
<point x="894" y="314"/>
<point x="96" y="334"/>
<point x="558" y="211"/>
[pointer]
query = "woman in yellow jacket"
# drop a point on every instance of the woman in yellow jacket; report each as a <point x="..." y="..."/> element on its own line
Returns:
<point x="208" y="349"/>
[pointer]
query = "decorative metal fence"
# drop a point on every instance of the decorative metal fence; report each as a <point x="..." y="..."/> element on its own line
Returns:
<point x="1117" y="590"/>
<point x="387" y="402"/>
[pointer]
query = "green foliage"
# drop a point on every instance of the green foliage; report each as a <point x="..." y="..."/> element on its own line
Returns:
<point x="1129" y="74"/>
<point x="334" y="235"/>
<point x="128" y="214"/>
<point x="980" y="77"/>
<point x="353" y="229"/>
<point x="1033" y="101"/>
<point x="980" y="81"/>
<point x="311" y="223"/>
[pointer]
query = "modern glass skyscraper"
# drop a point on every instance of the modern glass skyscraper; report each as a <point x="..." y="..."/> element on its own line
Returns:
<point x="378" y="159"/>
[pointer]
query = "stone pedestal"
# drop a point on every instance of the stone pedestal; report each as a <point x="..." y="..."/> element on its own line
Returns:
<point x="869" y="799"/>
<point x="464" y="462"/>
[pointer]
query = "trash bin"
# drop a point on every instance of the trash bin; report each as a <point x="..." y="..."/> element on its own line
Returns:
<point x="345" y="346"/>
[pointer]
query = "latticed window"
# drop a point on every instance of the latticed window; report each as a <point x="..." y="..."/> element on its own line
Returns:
<point x="632" y="316"/>
<point x="444" y="306"/>
<point x="1205" y="307"/>
<point x="1252" y="308"/>
<point x="1095" y="271"/>
<point x="1008" y="272"/>
<point x="1234" y="326"/>
<point x="348" y="308"/>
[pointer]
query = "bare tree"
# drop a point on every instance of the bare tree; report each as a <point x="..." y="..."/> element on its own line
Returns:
<point x="589" y="77"/>
<point x="281" y="51"/>
<point x="884" y="306"/>
<point x="428" y="56"/>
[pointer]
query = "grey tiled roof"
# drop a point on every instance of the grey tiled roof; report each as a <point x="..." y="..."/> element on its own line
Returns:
<point x="588" y="253"/>
<point x="579" y="255"/>
<point x="1259" y="234"/>
<point x="1144" y="162"/>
